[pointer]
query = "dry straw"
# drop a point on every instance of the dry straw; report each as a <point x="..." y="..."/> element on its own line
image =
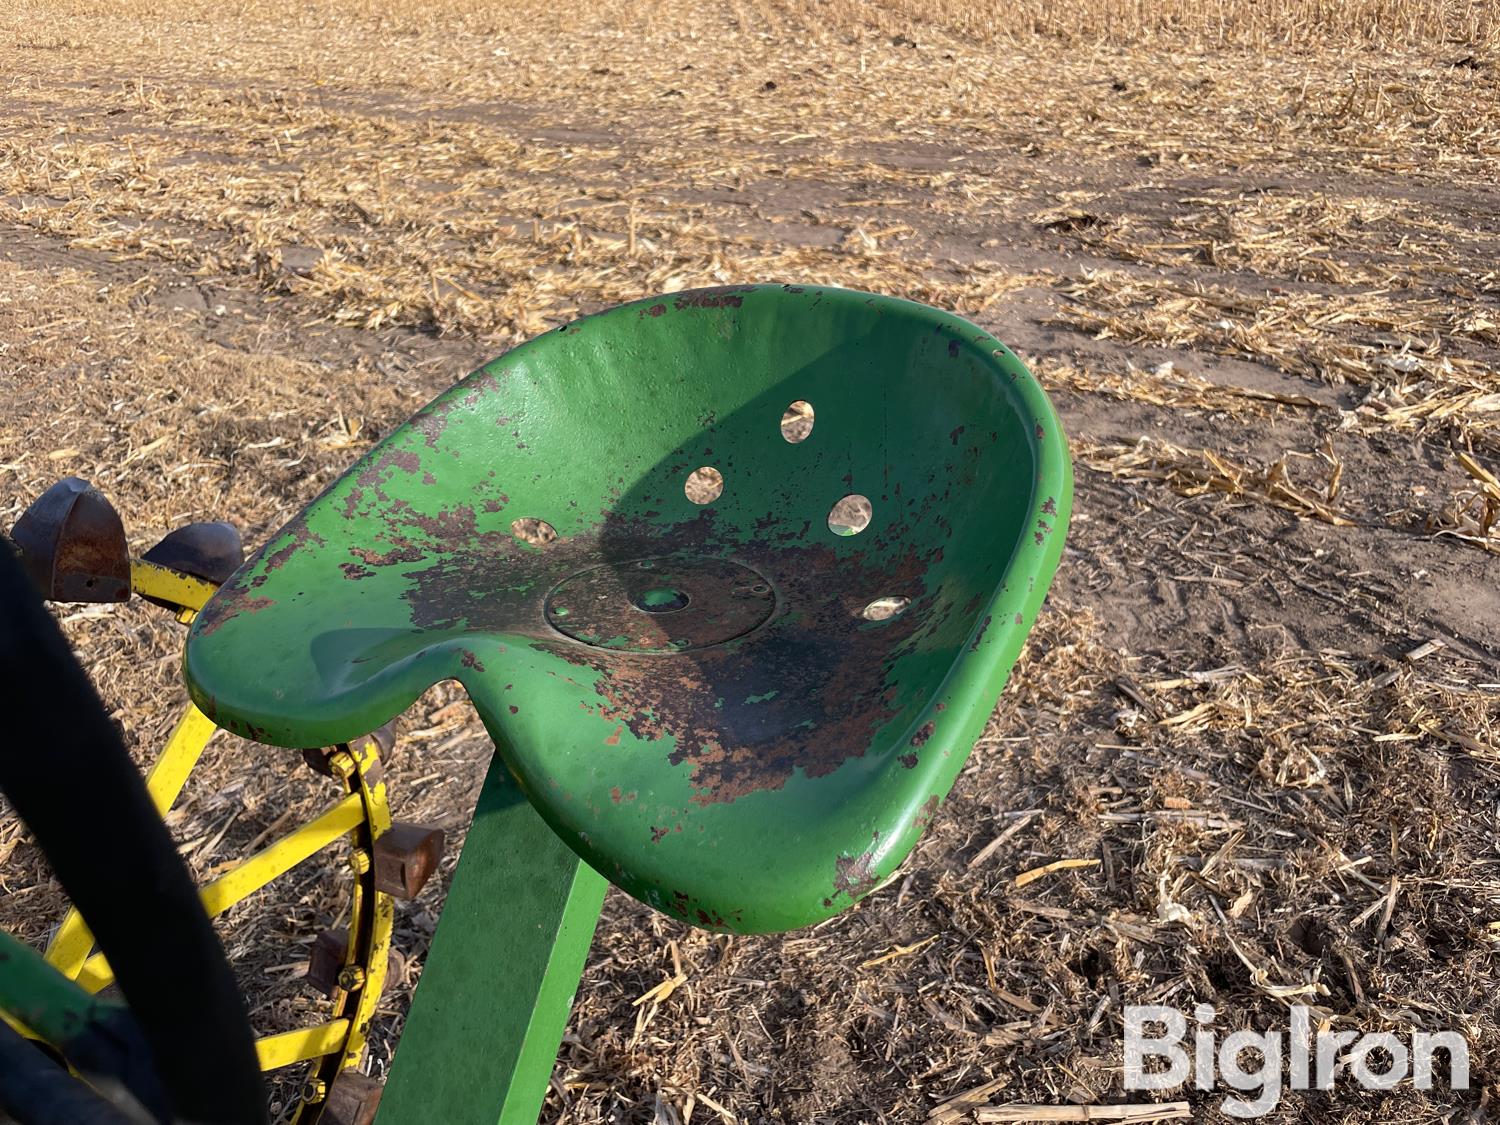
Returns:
<point x="1246" y="754"/>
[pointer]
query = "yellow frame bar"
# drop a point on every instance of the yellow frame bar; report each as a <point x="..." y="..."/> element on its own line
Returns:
<point x="304" y="1043"/>
<point x="184" y="747"/>
<point x="182" y="590"/>
<point x="72" y="943"/>
<point x="242" y="881"/>
<point x="377" y="957"/>
<point x="254" y="873"/>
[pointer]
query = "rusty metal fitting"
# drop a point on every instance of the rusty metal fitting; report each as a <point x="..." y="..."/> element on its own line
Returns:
<point x="406" y="855"/>
<point x="328" y="954"/>
<point x="352" y="1100"/>
<point x="72" y="543"/>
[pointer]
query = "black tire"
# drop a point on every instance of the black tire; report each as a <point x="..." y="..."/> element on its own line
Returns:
<point x="68" y="776"/>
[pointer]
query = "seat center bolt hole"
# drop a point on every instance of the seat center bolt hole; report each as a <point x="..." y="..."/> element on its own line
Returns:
<point x="661" y="599"/>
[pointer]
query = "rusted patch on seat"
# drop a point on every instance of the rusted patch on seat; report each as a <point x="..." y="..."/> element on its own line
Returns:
<point x="855" y="875"/>
<point x="388" y="558"/>
<point x="806" y="691"/>
<point x="718" y="297"/>
<point x="301" y="535"/>
<point x="226" y="606"/>
<point x="239" y="595"/>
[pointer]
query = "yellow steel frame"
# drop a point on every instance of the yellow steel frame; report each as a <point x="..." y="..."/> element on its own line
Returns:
<point x="249" y="876"/>
<point x="362" y="815"/>
<point x="277" y="1051"/>
<point x="70" y="945"/>
<point x="372" y="910"/>
<point x="186" y="593"/>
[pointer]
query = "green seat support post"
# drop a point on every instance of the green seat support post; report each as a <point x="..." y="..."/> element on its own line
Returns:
<point x="498" y="982"/>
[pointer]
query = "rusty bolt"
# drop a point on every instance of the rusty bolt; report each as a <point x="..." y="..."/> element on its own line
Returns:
<point x="330" y="762"/>
<point x="406" y="855"/>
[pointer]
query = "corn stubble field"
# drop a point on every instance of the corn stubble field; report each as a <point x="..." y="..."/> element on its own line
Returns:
<point x="1252" y="250"/>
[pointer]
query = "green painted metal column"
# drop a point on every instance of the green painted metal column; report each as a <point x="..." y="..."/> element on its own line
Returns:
<point x="482" y="1036"/>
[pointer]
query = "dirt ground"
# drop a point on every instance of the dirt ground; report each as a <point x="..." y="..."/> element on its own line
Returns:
<point x="239" y="243"/>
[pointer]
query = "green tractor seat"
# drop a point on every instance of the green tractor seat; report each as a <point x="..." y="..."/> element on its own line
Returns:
<point x="733" y="578"/>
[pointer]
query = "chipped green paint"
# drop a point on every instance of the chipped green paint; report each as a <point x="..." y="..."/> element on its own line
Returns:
<point x="782" y="752"/>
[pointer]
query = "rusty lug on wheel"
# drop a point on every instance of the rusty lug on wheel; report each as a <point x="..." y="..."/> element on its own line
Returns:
<point x="72" y="543"/>
<point x="352" y="1099"/>
<point x="406" y="855"/>
<point x="325" y="961"/>
<point x="329" y="958"/>
<point x="210" y="551"/>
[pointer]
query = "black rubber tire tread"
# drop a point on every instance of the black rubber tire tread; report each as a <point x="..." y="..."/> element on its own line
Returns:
<point x="66" y="772"/>
<point x="35" y="1090"/>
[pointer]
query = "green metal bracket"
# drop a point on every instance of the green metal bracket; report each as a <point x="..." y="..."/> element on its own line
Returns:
<point x="484" y="1027"/>
<point x="51" y="1005"/>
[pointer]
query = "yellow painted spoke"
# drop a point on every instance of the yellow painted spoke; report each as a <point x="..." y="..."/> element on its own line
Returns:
<point x="255" y="872"/>
<point x="70" y="946"/>
<point x="153" y="581"/>
<point x="304" y="1043"/>
<point x="265" y="865"/>
<point x="96" y="974"/>
<point x="184" y="748"/>
<point x="73" y="941"/>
